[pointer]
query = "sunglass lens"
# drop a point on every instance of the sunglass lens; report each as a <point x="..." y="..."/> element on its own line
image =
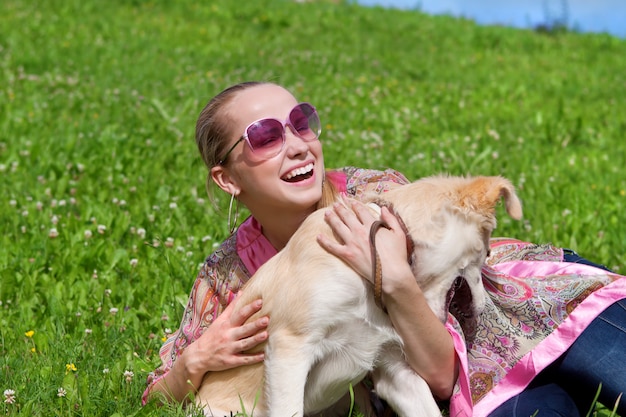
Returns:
<point x="265" y="136"/>
<point x="305" y="121"/>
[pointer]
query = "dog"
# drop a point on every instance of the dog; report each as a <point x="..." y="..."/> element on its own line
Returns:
<point x="326" y="331"/>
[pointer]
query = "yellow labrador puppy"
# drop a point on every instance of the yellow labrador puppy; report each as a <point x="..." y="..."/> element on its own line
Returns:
<point x="326" y="330"/>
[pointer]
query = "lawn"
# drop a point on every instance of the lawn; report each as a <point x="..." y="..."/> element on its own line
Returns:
<point x="104" y="213"/>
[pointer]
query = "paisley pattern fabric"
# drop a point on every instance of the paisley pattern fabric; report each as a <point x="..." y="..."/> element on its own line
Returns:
<point x="531" y="293"/>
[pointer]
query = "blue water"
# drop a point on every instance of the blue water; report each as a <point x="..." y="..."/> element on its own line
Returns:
<point x="608" y="16"/>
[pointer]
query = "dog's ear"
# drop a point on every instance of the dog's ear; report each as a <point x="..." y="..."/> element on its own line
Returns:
<point x="484" y="193"/>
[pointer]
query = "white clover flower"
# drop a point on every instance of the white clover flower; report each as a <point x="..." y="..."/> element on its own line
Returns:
<point x="113" y="310"/>
<point x="141" y="232"/>
<point x="53" y="233"/>
<point x="133" y="262"/>
<point x="88" y="234"/>
<point x="169" y="242"/>
<point x="61" y="392"/>
<point x="128" y="375"/>
<point x="9" y="396"/>
<point x="173" y="205"/>
<point x="101" y="229"/>
<point x="105" y="371"/>
<point x="494" y="134"/>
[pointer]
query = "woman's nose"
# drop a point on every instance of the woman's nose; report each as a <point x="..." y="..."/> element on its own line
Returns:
<point x="294" y="143"/>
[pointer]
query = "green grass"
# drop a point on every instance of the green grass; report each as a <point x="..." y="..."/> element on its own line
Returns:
<point x="98" y="101"/>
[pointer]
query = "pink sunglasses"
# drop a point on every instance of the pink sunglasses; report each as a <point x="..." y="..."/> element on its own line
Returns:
<point x="266" y="137"/>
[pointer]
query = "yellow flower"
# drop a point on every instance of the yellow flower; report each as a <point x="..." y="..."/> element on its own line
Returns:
<point x="29" y="333"/>
<point x="33" y="350"/>
<point x="70" y="367"/>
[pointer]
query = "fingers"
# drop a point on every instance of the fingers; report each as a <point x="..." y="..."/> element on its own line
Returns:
<point x="363" y="213"/>
<point x="248" y="336"/>
<point x="245" y="329"/>
<point x="389" y="218"/>
<point x="240" y="316"/>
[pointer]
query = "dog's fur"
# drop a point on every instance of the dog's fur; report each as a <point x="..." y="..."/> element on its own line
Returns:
<point x="326" y="331"/>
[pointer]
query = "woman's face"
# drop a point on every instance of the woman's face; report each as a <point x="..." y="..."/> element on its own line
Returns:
<point x="290" y="180"/>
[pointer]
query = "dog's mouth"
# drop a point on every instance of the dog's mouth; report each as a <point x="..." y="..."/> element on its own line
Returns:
<point x="460" y="303"/>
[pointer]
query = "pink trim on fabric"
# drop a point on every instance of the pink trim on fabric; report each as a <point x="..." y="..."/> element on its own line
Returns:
<point x="339" y="180"/>
<point x="522" y="269"/>
<point x="252" y="247"/>
<point x="461" y="401"/>
<point x="556" y="343"/>
<point x="506" y="241"/>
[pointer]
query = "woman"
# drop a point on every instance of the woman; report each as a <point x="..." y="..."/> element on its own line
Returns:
<point x="261" y="146"/>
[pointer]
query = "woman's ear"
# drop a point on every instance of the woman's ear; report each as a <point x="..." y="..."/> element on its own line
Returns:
<point x="224" y="179"/>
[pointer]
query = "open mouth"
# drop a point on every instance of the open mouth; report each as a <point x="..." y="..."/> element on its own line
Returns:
<point x="460" y="304"/>
<point x="299" y="174"/>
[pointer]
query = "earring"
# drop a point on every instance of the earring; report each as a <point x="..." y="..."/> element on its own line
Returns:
<point x="232" y="220"/>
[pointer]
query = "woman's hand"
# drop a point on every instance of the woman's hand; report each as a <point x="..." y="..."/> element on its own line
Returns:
<point x="351" y="221"/>
<point x="224" y="343"/>
<point x="220" y="347"/>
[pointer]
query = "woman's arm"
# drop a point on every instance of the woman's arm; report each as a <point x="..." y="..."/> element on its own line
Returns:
<point x="428" y="346"/>
<point x="220" y="347"/>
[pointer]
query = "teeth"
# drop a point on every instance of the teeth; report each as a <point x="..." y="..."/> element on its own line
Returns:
<point x="299" y="171"/>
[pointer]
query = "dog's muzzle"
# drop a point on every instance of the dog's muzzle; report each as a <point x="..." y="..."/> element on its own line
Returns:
<point x="460" y="303"/>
